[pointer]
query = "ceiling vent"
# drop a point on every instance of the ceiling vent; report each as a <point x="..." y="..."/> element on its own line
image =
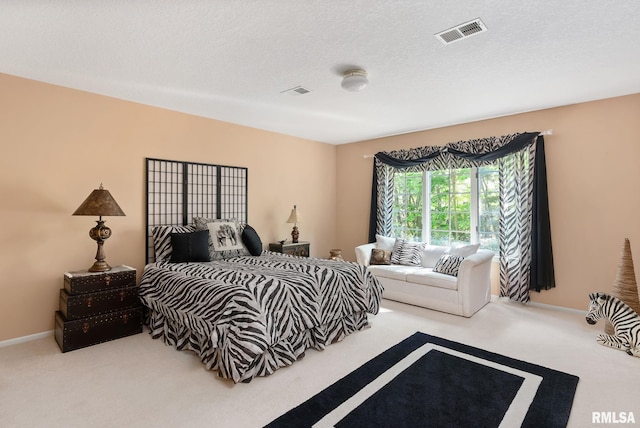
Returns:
<point x="298" y="90"/>
<point x="461" y="31"/>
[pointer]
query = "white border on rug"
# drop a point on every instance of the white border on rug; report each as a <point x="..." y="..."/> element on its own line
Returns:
<point x="513" y="417"/>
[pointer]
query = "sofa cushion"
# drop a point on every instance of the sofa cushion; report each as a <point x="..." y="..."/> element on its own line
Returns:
<point x="465" y="250"/>
<point x="398" y="272"/>
<point x="448" y="264"/>
<point x="407" y="253"/>
<point x="431" y="254"/>
<point x="385" y="242"/>
<point x="427" y="276"/>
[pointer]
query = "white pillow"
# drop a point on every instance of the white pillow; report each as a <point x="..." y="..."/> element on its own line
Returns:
<point x="431" y="254"/>
<point x="384" y="242"/>
<point x="464" y="251"/>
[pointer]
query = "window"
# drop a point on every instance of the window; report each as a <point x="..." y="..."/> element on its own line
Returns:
<point x="461" y="206"/>
<point x="407" y="205"/>
<point x="449" y="211"/>
<point x="488" y="207"/>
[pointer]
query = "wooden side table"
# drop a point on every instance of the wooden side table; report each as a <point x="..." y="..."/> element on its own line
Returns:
<point x="300" y="249"/>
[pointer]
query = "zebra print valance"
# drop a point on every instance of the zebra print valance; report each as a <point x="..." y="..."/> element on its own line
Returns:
<point x="526" y="257"/>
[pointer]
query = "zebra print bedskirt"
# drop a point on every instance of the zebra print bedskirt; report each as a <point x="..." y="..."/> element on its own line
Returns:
<point x="248" y="316"/>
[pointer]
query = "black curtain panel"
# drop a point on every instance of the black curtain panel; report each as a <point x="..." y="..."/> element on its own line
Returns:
<point x="542" y="270"/>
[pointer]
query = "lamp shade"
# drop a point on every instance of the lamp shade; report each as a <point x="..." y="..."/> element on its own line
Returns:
<point x="294" y="217"/>
<point x="100" y="203"/>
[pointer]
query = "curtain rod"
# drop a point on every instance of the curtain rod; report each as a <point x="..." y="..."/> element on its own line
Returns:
<point x="547" y="132"/>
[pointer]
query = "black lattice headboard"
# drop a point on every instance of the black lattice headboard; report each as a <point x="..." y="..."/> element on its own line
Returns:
<point x="178" y="191"/>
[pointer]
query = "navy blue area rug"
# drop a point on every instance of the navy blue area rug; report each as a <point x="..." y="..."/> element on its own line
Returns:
<point x="427" y="381"/>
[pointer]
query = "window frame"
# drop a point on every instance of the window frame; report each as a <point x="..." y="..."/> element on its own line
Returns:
<point x="474" y="208"/>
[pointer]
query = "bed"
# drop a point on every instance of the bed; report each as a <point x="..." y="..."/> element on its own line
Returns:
<point x="244" y="313"/>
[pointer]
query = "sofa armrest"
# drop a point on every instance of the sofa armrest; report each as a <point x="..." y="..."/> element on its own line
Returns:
<point x="478" y="258"/>
<point x="474" y="281"/>
<point x="363" y="253"/>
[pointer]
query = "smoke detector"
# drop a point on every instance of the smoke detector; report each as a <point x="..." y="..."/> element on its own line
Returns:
<point x="461" y="31"/>
<point x="354" y="80"/>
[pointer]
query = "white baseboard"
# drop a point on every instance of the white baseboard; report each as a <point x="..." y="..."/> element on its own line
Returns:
<point x="23" y="339"/>
<point x="559" y="308"/>
<point x="44" y="334"/>
<point x="540" y="305"/>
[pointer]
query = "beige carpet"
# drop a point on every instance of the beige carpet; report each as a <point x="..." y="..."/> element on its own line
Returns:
<point x="140" y="382"/>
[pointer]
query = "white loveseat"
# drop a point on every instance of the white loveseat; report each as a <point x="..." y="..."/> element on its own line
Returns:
<point x="463" y="294"/>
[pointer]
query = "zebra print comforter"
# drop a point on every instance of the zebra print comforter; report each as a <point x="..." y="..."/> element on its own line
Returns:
<point x="248" y="316"/>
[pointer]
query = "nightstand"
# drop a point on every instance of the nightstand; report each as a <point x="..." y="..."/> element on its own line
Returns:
<point x="96" y="307"/>
<point x="300" y="249"/>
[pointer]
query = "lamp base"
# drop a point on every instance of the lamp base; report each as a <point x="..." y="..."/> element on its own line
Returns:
<point x="100" y="266"/>
<point x="99" y="233"/>
<point x="295" y="234"/>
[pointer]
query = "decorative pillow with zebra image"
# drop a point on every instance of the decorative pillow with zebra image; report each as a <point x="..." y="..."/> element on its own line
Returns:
<point x="225" y="237"/>
<point x="407" y="253"/>
<point x="448" y="264"/>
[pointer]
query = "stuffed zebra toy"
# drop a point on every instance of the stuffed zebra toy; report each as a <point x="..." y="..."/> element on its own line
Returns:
<point x="625" y="322"/>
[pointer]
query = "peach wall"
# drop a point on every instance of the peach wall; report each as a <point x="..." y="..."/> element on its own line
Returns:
<point x="59" y="144"/>
<point x="594" y="180"/>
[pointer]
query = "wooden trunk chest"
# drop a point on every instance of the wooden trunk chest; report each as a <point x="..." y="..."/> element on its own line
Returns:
<point x="96" y="307"/>
<point x="74" y="306"/>
<point x="300" y="249"/>
<point x="77" y="334"/>
<point x="87" y="282"/>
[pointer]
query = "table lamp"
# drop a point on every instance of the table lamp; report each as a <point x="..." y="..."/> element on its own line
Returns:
<point x="100" y="203"/>
<point x="294" y="218"/>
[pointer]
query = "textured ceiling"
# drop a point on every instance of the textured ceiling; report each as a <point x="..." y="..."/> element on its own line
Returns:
<point x="231" y="59"/>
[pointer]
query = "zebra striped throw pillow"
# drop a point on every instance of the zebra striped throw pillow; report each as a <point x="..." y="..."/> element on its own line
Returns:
<point x="407" y="253"/>
<point x="162" y="240"/>
<point x="448" y="264"/>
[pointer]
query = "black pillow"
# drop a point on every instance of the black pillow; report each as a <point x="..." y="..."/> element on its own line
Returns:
<point x="252" y="241"/>
<point x="190" y="247"/>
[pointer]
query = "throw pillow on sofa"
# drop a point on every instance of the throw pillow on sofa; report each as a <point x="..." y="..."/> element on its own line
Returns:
<point x="380" y="257"/>
<point x="385" y="242"/>
<point x="431" y="254"/>
<point x="448" y="264"/>
<point x="407" y="253"/>
<point x="464" y="251"/>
